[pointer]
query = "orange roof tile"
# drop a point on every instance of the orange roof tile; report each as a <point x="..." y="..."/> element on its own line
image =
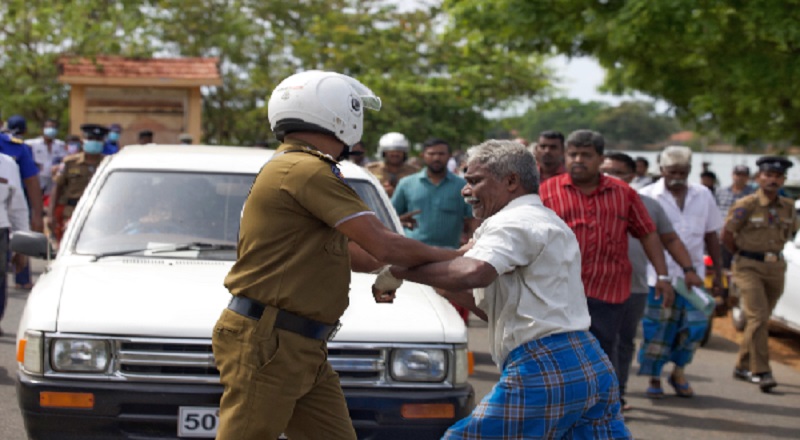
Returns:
<point x="112" y="70"/>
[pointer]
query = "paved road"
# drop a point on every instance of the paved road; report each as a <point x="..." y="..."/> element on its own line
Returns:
<point x="723" y="408"/>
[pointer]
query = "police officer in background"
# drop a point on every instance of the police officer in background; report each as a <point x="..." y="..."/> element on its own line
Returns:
<point x="292" y="273"/>
<point x="755" y="231"/>
<point x="74" y="177"/>
<point x="393" y="150"/>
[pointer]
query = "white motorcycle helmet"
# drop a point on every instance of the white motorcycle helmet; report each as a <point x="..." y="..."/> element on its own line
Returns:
<point x="392" y="141"/>
<point x="322" y="102"/>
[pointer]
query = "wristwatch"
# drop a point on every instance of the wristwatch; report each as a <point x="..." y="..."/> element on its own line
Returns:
<point x="688" y="269"/>
<point x="664" y="278"/>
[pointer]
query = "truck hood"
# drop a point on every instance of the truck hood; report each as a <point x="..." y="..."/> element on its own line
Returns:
<point x="184" y="298"/>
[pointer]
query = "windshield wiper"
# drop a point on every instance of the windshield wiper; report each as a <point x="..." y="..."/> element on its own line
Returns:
<point x="191" y="246"/>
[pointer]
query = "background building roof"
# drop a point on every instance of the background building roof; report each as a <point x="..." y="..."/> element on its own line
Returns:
<point x="153" y="72"/>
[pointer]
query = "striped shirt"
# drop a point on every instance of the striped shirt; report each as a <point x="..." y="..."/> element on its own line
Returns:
<point x="601" y="222"/>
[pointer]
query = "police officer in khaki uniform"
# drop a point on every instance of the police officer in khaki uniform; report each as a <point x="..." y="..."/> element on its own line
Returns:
<point x="291" y="278"/>
<point x="393" y="150"/>
<point x="73" y="178"/>
<point x="755" y="231"/>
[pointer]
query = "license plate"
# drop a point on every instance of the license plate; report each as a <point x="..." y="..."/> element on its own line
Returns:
<point x="198" y="422"/>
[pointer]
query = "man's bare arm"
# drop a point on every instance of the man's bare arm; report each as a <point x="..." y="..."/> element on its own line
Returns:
<point x="462" y="273"/>
<point x="655" y="253"/>
<point x="361" y="260"/>
<point x="390" y="247"/>
<point x="729" y="241"/>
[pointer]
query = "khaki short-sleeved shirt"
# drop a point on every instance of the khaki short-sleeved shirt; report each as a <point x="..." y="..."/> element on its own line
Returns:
<point x="759" y="225"/>
<point x="290" y="255"/>
<point x="73" y="179"/>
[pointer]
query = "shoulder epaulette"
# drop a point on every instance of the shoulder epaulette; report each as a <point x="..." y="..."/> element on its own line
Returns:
<point x="16" y="140"/>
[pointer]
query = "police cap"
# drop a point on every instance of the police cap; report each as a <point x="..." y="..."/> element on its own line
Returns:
<point x="17" y="124"/>
<point x="94" y="131"/>
<point x="774" y="163"/>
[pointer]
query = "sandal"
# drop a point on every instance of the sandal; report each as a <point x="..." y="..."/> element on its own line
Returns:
<point x="681" y="389"/>
<point x="654" y="391"/>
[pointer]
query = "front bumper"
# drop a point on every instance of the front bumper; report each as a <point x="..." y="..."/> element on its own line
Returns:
<point x="149" y="411"/>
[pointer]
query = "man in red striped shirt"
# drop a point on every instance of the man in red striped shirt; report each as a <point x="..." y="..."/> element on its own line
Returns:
<point x="601" y="211"/>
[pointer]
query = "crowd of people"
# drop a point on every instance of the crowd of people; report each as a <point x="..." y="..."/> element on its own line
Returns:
<point x="640" y="236"/>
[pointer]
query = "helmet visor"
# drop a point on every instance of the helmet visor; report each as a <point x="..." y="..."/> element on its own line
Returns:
<point x="368" y="99"/>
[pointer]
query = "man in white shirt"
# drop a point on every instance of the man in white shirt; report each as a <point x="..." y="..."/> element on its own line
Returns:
<point x="525" y="266"/>
<point x="48" y="152"/>
<point x="673" y="335"/>
<point x="13" y="215"/>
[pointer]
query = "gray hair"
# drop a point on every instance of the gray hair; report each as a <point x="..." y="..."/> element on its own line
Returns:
<point x="502" y="158"/>
<point x="675" y="155"/>
<point x="587" y="138"/>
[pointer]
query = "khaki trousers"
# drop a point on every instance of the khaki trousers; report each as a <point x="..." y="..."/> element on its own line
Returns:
<point x="276" y="382"/>
<point x="760" y="286"/>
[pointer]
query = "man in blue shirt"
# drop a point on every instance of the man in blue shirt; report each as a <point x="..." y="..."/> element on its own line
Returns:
<point x="12" y="145"/>
<point x="431" y="205"/>
<point x="112" y="140"/>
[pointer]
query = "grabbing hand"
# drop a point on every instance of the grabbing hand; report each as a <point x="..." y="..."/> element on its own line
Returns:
<point x="386" y="281"/>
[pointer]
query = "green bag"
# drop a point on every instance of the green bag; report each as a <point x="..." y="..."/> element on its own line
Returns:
<point x="696" y="296"/>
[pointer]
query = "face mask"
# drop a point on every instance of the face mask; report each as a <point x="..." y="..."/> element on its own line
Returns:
<point x="50" y="132"/>
<point x="73" y="147"/>
<point x="113" y="136"/>
<point x="93" y="147"/>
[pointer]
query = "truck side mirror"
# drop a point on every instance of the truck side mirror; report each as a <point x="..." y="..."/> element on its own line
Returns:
<point x="32" y="244"/>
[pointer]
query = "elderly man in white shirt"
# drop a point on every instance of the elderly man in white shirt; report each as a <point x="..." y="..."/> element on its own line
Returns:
<point x="48" y="152"/>
<point x="525" y="266"/>
<point x="673" y="335"/>
<point x="13" y="215"/>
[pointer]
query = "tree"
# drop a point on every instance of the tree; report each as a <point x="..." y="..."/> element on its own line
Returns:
<point x="729" y="64"/>
<point x="33" y="34"/>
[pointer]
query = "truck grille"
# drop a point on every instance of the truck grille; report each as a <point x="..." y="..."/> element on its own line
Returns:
<point x="192" y="361"/>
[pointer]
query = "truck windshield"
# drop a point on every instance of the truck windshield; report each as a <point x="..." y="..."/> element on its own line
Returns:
<point x="150" y="210"/>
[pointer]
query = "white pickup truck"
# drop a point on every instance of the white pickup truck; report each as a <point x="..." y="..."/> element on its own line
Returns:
<point x="115" y="339"/>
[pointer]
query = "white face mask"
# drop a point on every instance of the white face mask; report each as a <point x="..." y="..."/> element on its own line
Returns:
<point x="73" y="147"/>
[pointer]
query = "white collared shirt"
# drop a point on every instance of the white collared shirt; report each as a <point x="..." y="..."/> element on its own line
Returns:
<point x="538" y="291"/>
<point x="700" y="215"/>
<point x="45" y="159"/>
<point x="13" y="207"/>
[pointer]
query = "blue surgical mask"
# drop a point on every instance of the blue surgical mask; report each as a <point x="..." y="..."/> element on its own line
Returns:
<point x="93" y="147"/>
<point x="113" y="136"/>
<point x="50" y="132"/>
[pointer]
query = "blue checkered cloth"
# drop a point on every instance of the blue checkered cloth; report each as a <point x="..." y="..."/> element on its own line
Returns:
<point x="671" y="334"/>
<point x="560" y="386"/>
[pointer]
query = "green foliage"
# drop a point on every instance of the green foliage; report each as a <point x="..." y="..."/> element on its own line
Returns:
<point x="33" y="33"/>
<point x="630" y="125"/>
<point x="726" y="64"/>
<point x="432" y="84"/>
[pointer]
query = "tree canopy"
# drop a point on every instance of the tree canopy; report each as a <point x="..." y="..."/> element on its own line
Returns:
<point x="431" y="83"/>
<point x="726" y="64"/>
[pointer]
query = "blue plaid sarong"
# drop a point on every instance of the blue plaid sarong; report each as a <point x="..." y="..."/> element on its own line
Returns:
<point x="559" y="386"/>
<point x="671" y="334"/>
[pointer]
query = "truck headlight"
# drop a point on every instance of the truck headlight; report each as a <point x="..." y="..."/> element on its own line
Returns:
<point x="31" y="352"/>
<point x="419" y="365"/>
<point x="79" y="355"/>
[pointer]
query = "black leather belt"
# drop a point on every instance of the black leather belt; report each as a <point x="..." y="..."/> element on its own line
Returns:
<point x="768" y="257"/>
<point x="285" y="320"/>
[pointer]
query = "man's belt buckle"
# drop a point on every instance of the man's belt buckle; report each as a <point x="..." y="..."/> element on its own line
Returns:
<point x="334" y="330"/>
<point x="769" y="257"/>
